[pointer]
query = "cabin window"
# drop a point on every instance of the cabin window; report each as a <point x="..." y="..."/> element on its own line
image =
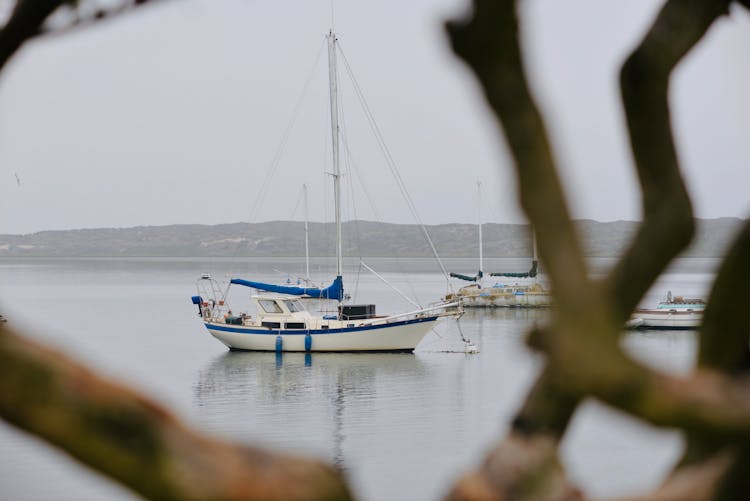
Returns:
<point x="293" y="306"/>
<point x="295" y="325"/>
<point x="269" y="306"/>
<point x="272" y="325"/>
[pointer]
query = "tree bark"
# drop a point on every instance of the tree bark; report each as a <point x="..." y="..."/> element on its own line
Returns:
<point x="581" y="344"/>
<point x="24" y="23"/>
<point x="137" y="442"/>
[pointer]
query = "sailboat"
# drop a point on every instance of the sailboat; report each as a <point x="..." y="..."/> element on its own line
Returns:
<point x="523" y="291"/>
<point x="282" y="323"/>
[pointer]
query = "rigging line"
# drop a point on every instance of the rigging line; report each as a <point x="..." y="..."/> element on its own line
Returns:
<point x="466" y="340"/>
<point x="349" y="161"/>
<point x="349" y="182"/>
<point x="373" y="207"/>
<point x="352" y="206"/>
<point x="326" y="195"/>
<point x="279" y="151"/>
<point x="299" y="200"/>
<point x="284" y="139"/>
<point x="356" y="282"/>
<point x="392" y="164"/>
<point x="351" y="165"/>
<point x="386" y="282"/>
<point x="282" y="144"/>
<point x="358" y="174"/>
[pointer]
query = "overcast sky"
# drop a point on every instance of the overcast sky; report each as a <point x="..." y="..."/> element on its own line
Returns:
<point x="175" y="114"/>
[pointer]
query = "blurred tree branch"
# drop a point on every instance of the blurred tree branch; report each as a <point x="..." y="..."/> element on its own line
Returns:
<point x="137" y="442"/>
<point x="31" y="19"/>
<point x="134" y="441"/>
<point x="583" y="355"/>
<point x="667" y="226"/>
<point x="109" y="427"/>
<point x="24" y="23"/>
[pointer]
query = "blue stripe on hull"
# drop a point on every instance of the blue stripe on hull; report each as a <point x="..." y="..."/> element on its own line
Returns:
<point x="302" y="332"/>
<point x="350" y="352"/>
<point x="666" y="327"/>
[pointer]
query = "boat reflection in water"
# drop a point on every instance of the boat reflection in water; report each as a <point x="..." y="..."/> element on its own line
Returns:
<point x="321" y="403"/>
<point x="514" y="316"/>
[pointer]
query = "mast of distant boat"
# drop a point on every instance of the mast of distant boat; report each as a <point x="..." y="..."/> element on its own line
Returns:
<point x="534" y="259"/>
<point x="307" y="237"/>
<point x="479" y="223"/>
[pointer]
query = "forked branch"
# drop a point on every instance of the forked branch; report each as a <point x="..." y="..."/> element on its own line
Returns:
<point x="583" y="357"/>
<point x="28" y="19"/>
<point x="667" y="226"/>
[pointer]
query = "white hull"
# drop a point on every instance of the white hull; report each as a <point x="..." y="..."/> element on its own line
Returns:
<point x="396" y="336"/>
<point x="507" y="301"/>
<point x="524" y="296"/>
<point x="656" y="319"/>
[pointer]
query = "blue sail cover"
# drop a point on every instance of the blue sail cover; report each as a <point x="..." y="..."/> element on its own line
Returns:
<point x="333" y="291"/>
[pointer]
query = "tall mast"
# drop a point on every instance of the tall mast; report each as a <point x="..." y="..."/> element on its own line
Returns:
<point x="335" y="137"/>
<point x="307" y="238"/>
<point x="479" y="222"/>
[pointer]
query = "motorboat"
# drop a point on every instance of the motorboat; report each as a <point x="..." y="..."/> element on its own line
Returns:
<point x="676" y="313"/>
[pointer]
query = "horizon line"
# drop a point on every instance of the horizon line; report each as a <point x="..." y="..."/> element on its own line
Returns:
<point x="330" y="222"/>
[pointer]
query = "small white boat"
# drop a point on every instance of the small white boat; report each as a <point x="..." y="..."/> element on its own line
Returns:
<point x="676" y="313"/>
<point x="281" y="322"/>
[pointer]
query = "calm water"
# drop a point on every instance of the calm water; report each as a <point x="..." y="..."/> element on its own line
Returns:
<point x="402" y="426"/>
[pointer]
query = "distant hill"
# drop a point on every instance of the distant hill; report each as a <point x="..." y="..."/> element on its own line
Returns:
<point x="363" y="238"/>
